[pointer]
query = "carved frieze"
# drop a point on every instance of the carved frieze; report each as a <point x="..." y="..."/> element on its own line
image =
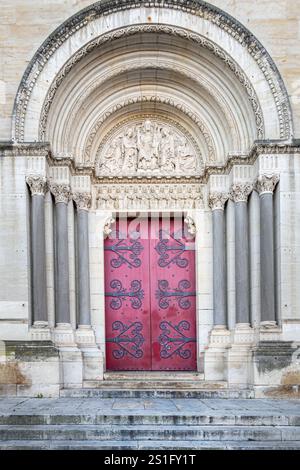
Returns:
<point x="266" y="183"/>
<point x="149" y="147"/>
<point x="38" y="185"/>
<point x="149" y="197"/>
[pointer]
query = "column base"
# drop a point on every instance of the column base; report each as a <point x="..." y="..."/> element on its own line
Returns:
<point x="239" y="356"/>
<point x="269" y="331"/>
<point x="92" y="357"/>
<point x="215" y="355"/>
<point x="63" y="335"/>
<point x="70" y="367"/>
<point x="40" y="331"/>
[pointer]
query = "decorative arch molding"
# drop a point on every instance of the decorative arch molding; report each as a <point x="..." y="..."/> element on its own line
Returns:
<point x="209" y="88"/>
<point x="177" y="105"/>
<point x="199" y="8"/>
<point x="131" y="31"/>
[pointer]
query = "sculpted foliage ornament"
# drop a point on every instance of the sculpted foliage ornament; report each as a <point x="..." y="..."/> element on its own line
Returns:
<point x="266" y="183"/>
<point x="217" y="200"/>
<point x="61" y="192"/>
<point x="83" y="200"/>
<point x="150" y="147"/>
<point x="240" y="192"/>
<point x="38" y="185"/>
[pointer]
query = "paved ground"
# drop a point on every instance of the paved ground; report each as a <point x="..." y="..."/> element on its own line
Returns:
<point x="164" y="406"/>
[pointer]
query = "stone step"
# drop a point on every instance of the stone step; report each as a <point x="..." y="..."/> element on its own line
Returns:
<point x="153" y="375"/>
<point x="148" y="445"/>
<point x="166" y="392"/>
<point x="147" y="432"/>
<point x="151" y="418"/>
<point x="147" y="384"/>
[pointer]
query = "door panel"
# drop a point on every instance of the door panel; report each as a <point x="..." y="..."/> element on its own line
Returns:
<point x="173" y="298"/>
<point x="150" y="298"/>
<point x="127" y="299"/>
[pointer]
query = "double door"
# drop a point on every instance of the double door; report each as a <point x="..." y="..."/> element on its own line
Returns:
<point x="150" y="296"/>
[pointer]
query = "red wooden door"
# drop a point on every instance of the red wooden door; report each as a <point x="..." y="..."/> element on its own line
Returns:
<point x="150" y="298"/>
<point x="173" y="297"/>
<point x="127" y="297"/>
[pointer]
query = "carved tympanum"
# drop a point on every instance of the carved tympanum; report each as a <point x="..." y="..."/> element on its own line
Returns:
<point x="148" y="147"/>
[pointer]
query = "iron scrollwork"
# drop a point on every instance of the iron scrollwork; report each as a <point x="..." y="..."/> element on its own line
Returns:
<point x="181" y="294"/>
<point x="135" y="294"/>
<point x="173" y="340"/>
<point x="129" y="340"/>
<point x="170" y="249"/>
<point x="122" y="247"/>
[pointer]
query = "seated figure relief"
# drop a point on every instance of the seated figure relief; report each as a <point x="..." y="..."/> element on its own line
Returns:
<point x="148" y="148"/>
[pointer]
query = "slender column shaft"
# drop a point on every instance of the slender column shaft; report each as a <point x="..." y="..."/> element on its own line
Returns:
<point x="38" y="186"/>
<point x="239" y="194"/>
<point x="267" y="258"/>
<point x="216" y="203"/>
<point x="265" y="186"/>
<point x="242" y="280"/>
<point x="62" y="196"/>
<point x="83" y="268"/>
<point x="39" y="287"/>
<point x="62" y="265"/>
<point x="219" y="268"/>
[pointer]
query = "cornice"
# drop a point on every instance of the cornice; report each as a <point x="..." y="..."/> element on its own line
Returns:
<point x="277" y="147"/>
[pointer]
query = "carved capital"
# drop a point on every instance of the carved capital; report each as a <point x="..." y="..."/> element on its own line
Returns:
<point x="38" y="185"/>
<point x="61" y="192"/>
<point x="83" y="200"/>
<point x="107" y="227"/>
<point x="266" y="183"/>
<point x="240" y="192"/>
<point x="191" y="225"/>
<point x="217" y="201"/>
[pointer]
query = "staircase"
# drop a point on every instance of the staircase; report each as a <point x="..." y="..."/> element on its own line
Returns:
<point x="149" y="423"/>
<point x="155" y="385"/>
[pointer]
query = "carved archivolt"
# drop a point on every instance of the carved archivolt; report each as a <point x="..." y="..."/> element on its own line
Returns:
<point x="151" y="196"/>
<point x="148" y="147"/>
<point x="134" y="66"/>
<point x="25" y="91"/>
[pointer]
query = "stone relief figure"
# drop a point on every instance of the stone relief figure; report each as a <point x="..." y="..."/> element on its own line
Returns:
<point x="186" y="160"/>
<point x="167" y="150"/>
<point x="111" y="163"/>
<point x="148" y="148"/>
<point x="129" y="151"/>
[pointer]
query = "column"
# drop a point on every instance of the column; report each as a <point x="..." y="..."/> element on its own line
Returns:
<point x="215" y="355"/>
<point x="239" y="357"/>
<point x="85" y="338"/>
<point x="216" y="203"/>
<point x="38" y="187"/>
<point x="64" y="338"/>
<point x="265" y="186"/>
<point x="62" y="195"/>
<point x="83" y="203"/>
<point x="239" y="194"/>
